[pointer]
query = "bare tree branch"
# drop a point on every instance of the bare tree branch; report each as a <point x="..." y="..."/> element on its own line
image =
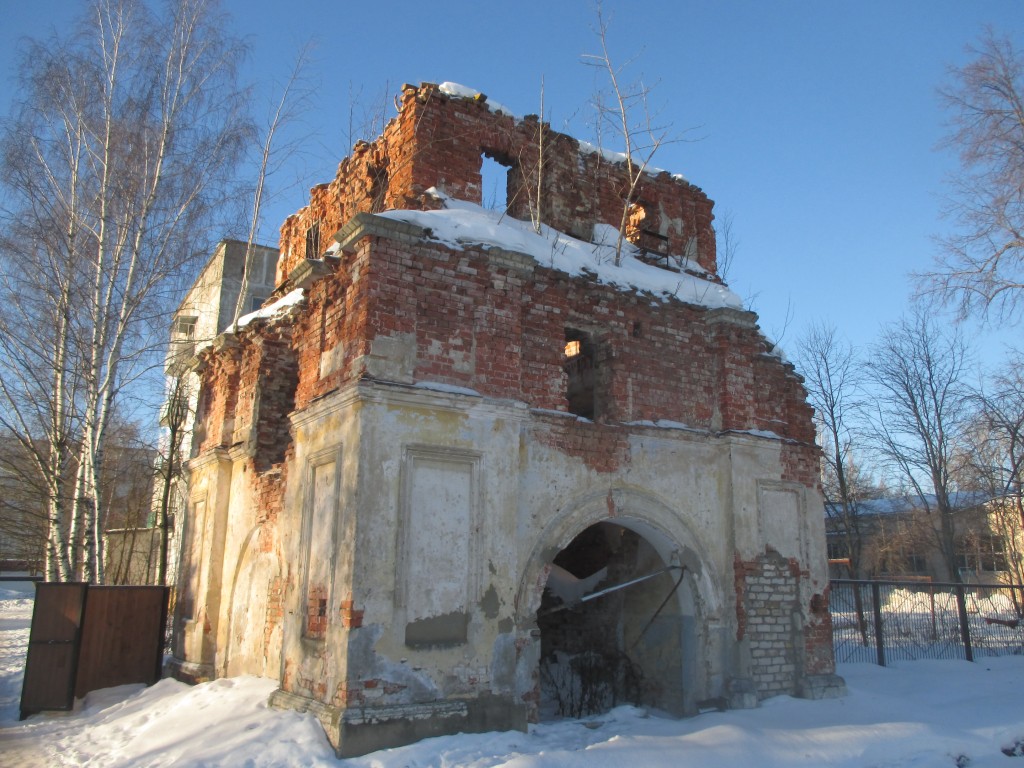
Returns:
<point x="295" y="96"/>
<point x="631" y="118"/>
<point x="117" y="162"/>
<point x="981" y="267"/>
<point x="832" y="377"/>
<point x="922" y="416"/>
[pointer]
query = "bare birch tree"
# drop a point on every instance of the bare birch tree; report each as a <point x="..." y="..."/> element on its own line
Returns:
<point x="832" y="375"/>
<point x="531" y="163"/>
<point x="119" y="156"/>
<point x="981" y="269"/>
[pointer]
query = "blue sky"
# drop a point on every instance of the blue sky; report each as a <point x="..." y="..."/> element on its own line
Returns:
<point x="814" y="124"/>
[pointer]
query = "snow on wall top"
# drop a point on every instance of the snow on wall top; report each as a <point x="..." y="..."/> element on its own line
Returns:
<point x="463" y="92"/>
<point x="462" y="223"/>
<point x="271" y="310"/>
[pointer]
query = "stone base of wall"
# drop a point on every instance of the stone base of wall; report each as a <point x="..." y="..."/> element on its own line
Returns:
<point x="188" y="671"/>
<point x="355" y="731"/>
<point x="821" y="687"/>
<point x="742" y="693"/>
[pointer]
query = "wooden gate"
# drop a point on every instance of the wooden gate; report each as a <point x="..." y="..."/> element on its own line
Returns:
<point x="86" y="637"/>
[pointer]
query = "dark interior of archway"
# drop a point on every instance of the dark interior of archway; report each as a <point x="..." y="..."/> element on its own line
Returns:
<point x="623" y="647"/>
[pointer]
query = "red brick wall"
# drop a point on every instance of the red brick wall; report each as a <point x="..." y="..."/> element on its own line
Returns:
<point x="336" y="317"/>
<point x="500" y="331"/>
<point x="819" y="655"/>
<point x="437" y="141"/>
<point x="215" y="417"/>
<point x="491" y="327"/>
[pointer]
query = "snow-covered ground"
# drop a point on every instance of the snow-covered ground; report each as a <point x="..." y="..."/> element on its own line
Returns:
<point x="948" y="714"/>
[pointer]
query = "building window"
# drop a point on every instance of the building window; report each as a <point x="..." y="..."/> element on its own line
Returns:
<point x="983" y="553"/>
<point x="256" y="302"/>
<point x="578" y="362"/>
<point x="183" y="344"/>
<point x="900" y="558"/>
<point x="185" y="327"/>
<point x="837" y="547"/>
<point x="641" y="231"/>
<point x="635" y="222"/>
<point x="915" y="563"/>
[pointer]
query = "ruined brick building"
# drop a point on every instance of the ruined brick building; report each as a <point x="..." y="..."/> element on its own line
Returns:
<point x="448" y="425"/>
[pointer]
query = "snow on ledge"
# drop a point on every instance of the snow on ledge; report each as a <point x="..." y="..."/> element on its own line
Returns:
<point x="271" y="310"/>
<point x="462" y="223"/>
<point x="766" y="433"/>
<point x="553" y="412"/>
<point x="665" y="424"/>
<point x="437" y="386"/>
<point x="620" y="157"/>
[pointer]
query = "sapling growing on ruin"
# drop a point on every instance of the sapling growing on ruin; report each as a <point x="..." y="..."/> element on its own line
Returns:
<point x="627" y="111"/>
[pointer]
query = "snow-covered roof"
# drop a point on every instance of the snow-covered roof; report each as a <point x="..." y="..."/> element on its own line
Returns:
<point x="903" y="505"/>
<point x="460" y="223"/>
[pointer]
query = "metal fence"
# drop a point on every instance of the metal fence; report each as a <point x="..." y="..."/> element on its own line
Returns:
<point x="885" y="621"/>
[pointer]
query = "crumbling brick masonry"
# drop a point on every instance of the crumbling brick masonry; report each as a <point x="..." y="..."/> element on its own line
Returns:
<point x="413" y="463"/>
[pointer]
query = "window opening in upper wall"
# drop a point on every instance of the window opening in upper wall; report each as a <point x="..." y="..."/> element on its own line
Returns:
<point x="641" y="231"/>
<point x="313" y="241"/>
<point x="493" y="183"/>
<point x="635" y="221"/>
<point x="578" y="362"/>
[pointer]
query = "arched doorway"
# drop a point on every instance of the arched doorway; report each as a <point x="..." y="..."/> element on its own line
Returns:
<point x="616" y="625"/>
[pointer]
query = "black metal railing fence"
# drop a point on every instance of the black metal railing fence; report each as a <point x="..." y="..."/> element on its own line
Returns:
<point x="884" y="621"/>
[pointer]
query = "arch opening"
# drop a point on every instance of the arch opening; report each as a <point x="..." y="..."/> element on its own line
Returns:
<point x="615" y="620"/>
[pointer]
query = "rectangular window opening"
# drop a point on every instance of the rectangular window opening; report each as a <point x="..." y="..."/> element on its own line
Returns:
<point x="578" y="362"/>
<point x="981" y="553"/>
<point x="185" y="327"/>
<point x="313" y="241"/>
<point x="494" y="178"/>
